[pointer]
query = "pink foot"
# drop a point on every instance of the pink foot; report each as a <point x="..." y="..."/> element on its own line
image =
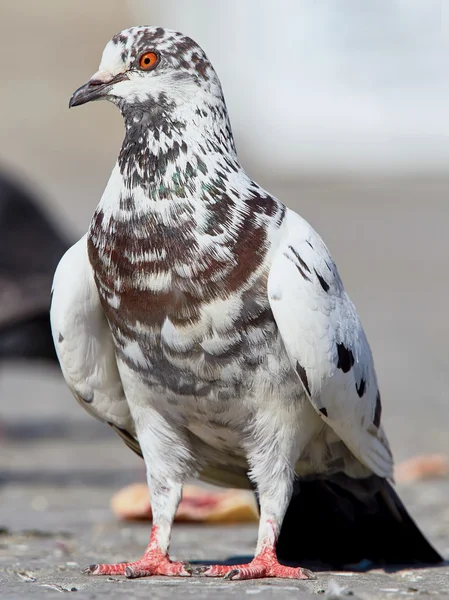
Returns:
<point x="153" y="563"/>
<point x="263" y="565"/>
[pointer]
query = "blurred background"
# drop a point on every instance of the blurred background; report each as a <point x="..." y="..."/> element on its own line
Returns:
<point x="339" y="107"/>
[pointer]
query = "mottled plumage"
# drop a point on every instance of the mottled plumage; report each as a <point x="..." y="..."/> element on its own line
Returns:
<point x="202" y="319"/>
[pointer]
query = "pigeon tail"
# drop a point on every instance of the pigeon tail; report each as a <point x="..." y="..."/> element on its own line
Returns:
<point x="341" y="521"/>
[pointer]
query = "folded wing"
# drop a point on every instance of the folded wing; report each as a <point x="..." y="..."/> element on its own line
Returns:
<point x="84" y="344"/>
<point x="326" y="343"/>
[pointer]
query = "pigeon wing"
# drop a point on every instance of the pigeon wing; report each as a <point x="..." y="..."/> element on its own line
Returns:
<point x="84" y="344"/>
<point x="325" y="342"/>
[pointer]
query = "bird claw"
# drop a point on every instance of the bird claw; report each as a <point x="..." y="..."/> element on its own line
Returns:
<point x="229" y="576"/>
<point x="129" y="573"/>
<point x="256" y="569"/>
<point x="189" y="569"/>
<point x="308" y="574"/>
<point x="145" y="567"/>
<point x="200" y="570"/>
<point x="117" y="569"/>
<point x="90" y="570"/>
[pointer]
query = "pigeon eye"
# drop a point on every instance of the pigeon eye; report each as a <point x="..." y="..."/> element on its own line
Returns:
<point x="148" y="61"/>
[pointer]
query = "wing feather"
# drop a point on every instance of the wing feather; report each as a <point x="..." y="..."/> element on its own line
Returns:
<point x="326" y="343"/>
<point x="84" y="344"/>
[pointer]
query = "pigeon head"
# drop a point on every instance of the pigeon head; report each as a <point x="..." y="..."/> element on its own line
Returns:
<point x="143" y="65"/>
<point x="172" y="104"/>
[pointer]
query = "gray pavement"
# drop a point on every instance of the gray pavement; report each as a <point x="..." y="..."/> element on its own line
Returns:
<point x="50" y="532"/>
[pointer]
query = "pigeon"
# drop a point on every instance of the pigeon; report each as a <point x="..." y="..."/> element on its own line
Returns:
<point x="207" y="324"/>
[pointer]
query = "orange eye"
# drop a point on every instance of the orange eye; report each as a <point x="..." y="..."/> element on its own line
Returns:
<point x="148" y="61"/>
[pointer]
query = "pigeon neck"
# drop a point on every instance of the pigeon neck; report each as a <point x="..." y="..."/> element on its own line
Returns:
<point x="170" y="149"/>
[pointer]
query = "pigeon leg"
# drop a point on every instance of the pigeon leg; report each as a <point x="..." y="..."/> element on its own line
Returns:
<point x="264" y="564"/>
<point x="155" y="561"/>
<point x="275" y="490"/>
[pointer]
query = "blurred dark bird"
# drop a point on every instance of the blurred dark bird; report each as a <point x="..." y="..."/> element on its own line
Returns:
<point x="207" y="323"/>
<point x="30" y="249"/>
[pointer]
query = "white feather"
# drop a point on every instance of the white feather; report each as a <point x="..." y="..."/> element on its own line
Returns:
<point x="312" y="321"/>
<point x="84" y="342"/>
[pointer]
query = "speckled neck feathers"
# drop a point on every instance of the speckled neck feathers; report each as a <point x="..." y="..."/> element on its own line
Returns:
<point x="180" y="222"/>
<point x="173" y="150"/>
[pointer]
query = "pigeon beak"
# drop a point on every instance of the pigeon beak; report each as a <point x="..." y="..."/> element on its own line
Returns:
<point x="96" y="88"/>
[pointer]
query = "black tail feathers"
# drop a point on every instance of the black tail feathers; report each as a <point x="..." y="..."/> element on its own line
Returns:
<point x="341" y="521"/>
